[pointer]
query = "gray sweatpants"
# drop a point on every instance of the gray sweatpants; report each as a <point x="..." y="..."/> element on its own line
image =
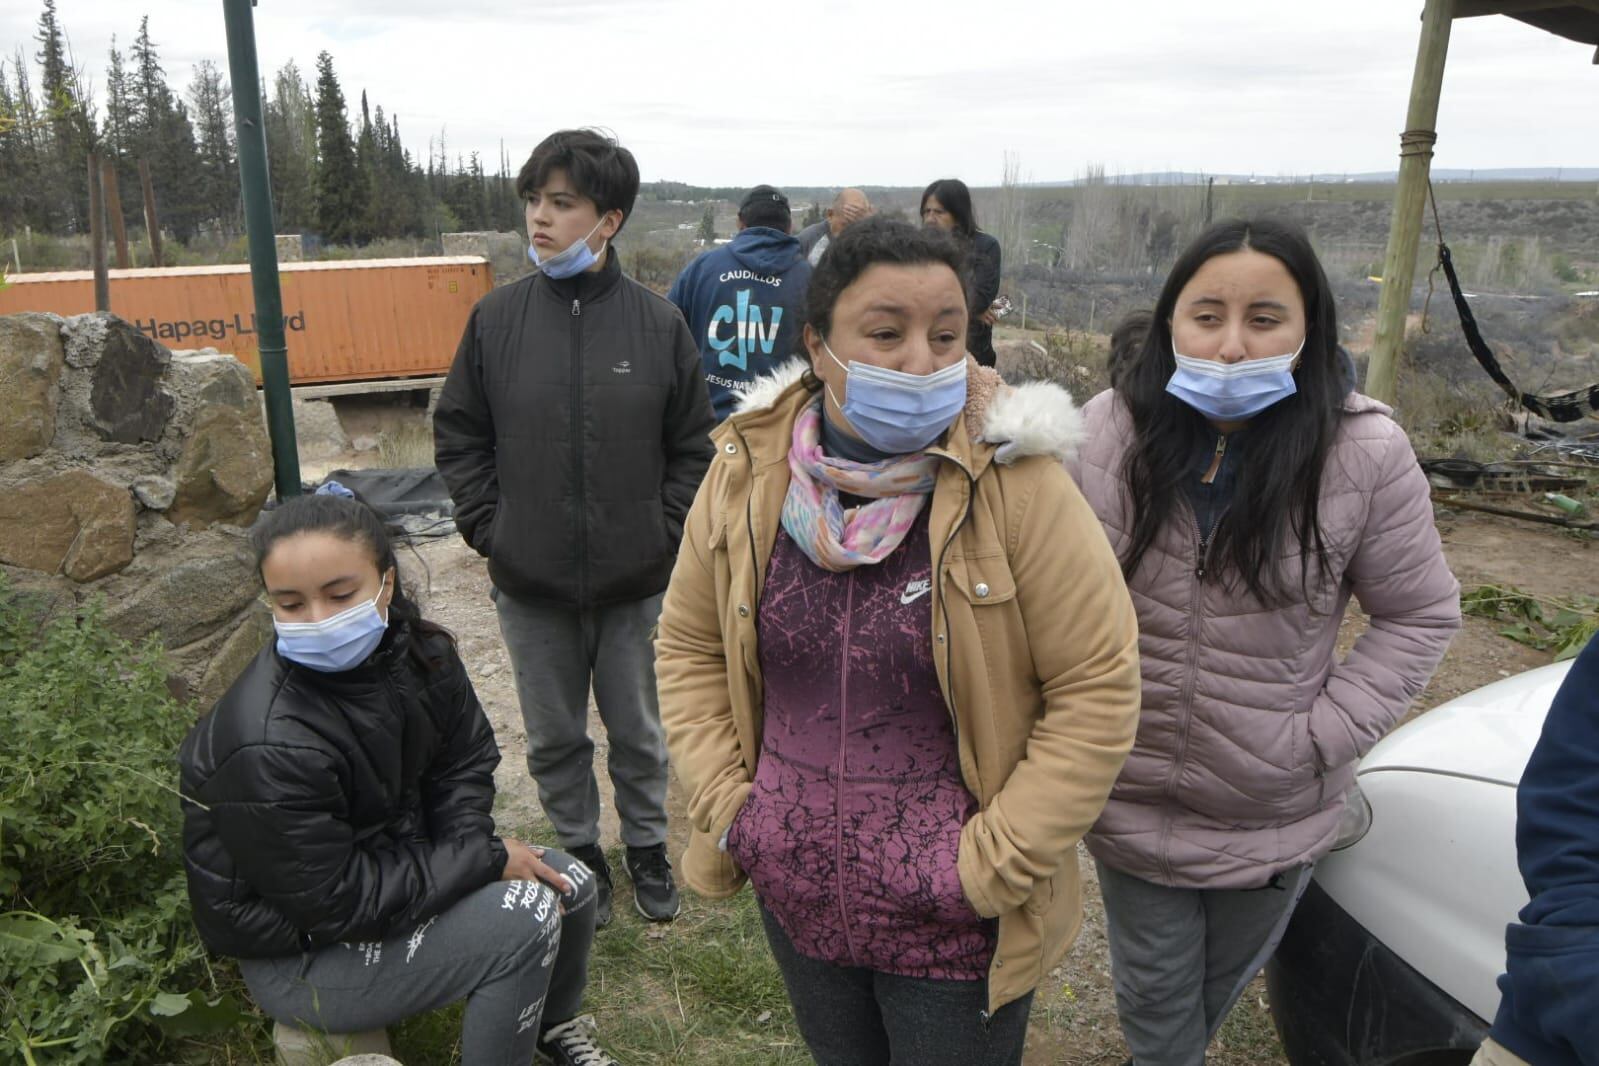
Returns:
<point x="506" y="949"/>
<point x="1181" y="957"/>
<point x="557" y="652"/>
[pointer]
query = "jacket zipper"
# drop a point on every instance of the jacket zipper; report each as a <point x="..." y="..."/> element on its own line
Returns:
<point x="838" y="785"/>
<point x="984" y="1018"/>
<point x="1215" y="463"/>
<point x="943" y="602"/>
<point x="577" y="453"/>
<point x="1190" y="680"/>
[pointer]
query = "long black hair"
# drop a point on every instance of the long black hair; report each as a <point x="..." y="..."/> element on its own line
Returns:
<point x="1275" y="505"/>
<point x="351" y="520"/>
<point x="956" y="198"/>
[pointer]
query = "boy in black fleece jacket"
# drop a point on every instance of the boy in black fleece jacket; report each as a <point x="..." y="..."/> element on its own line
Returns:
<point x="573" y="431"/>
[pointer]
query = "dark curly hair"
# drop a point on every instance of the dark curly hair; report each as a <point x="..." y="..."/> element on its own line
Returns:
<point x="871" y="241"/>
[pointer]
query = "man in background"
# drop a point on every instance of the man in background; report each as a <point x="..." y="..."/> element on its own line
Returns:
<point x="849" y="206"/>
<point x="745" y="301"/>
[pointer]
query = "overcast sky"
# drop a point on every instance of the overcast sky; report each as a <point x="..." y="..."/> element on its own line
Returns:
<point x="894" y="92"/>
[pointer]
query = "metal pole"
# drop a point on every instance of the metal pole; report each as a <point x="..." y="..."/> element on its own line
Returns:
<point x="152" y="223"/>
<point x="102" y="279"/>
<point x="1410" y="198"/>
<point x="113" y="206"/>
<point x="261" y="228"/>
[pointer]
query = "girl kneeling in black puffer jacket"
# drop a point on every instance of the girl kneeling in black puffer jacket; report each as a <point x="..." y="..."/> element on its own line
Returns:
<point x="338" y="829"/>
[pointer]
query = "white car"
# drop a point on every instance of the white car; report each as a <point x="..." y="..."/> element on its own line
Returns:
<point x="1392" y="957"/>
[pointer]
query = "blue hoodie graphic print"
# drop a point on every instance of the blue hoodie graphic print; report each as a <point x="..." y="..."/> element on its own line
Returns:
<point x="745" y="303"/>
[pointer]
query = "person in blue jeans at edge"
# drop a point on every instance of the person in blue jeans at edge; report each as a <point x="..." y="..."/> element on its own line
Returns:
<point x="338" y="833"/>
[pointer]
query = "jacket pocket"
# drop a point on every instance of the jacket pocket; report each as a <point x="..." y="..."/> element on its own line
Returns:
<point x="984" y="580"/>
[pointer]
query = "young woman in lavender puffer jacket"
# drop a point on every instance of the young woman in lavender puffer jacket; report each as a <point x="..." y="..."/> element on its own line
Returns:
<point x="1249" y="492"/>
<point x="897" y="669"/>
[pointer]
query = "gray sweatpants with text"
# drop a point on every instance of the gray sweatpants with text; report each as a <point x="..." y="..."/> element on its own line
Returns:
<point x="506" y="949"/>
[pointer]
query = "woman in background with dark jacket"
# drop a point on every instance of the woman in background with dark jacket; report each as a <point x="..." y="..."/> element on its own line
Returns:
<point x="947" y="205"/>
<point x="338" y="834"/>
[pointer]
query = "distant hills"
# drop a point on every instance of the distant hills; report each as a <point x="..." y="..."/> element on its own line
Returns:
<point x="1377" y="177"/>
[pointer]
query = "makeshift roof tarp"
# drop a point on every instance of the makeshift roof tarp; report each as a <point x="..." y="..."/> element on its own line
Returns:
<point x="1577" y="21"/>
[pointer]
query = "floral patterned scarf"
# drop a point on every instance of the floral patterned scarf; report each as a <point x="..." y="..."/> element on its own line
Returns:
<point x="832" y="537"/>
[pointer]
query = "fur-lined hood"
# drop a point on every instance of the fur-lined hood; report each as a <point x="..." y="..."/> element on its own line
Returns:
<point x="1033" y="418"/>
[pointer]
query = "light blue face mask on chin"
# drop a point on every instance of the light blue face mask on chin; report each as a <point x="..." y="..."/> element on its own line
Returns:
<point x="1233" y="392"/>
<point x="571" y="260"/>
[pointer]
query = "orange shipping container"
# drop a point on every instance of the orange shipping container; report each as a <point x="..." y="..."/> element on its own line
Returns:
<point x="357" y="320"/>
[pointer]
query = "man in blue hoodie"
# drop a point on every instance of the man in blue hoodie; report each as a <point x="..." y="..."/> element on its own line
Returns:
<point x="1549" y="1005"/>
<point x="745" y="302"/>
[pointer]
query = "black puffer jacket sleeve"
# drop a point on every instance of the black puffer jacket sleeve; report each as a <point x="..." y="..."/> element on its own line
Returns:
<point x="686" y="433"/>
<point x="458" y="788"/>
<point x="287" y="826"/>
<point x="464" y="443"/>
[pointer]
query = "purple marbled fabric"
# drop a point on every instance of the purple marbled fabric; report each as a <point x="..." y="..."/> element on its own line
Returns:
<point x="851" y="832"/>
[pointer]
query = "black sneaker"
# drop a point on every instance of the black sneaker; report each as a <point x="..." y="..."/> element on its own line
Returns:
<point x="591" y="856"/>
<point x="654" y="891"/>
<point x="572" y="1044"/>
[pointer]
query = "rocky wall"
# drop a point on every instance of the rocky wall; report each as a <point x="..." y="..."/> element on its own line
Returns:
<point x="131" y="473"/>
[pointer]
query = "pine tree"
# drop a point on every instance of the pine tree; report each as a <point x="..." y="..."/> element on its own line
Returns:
<point x="218" y="175"/>
<point x="291" y="147"/>
<point x="71" y="130"/>
<point x="341" y="194"/>
<point x="25" y="182"/>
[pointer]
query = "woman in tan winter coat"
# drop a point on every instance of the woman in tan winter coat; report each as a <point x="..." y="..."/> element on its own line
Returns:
<point x="897" y="668"/>
<point x="1249" y="492"/>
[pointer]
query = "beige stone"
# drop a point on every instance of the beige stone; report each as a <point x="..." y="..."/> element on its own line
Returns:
<point x="236" y="652"/>
<point x="31" y="359"/>
<point x="225" y="471"/>
<point x="71" y="523"/>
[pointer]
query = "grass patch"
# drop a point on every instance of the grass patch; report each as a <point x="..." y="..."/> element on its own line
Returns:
<point x="407" y="445"/>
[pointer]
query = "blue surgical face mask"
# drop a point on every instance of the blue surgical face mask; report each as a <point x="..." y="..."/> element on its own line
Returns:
<point x="1233" y="392"/>
<point x="569" y="261"/>
<point x="900" y="413"/>
<point x="334" y="644"/>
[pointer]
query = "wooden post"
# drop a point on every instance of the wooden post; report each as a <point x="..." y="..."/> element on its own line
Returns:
<point x="113" y="206"/>
<point x="102" y="279"/>
<point x="1410" y="199"/>
<point x="152" y="222"/>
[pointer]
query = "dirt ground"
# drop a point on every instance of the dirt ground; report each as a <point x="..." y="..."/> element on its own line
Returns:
<point x="1076" y="1007"/>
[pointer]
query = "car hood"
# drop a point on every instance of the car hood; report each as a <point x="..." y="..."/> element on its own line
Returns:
<point x="1487" y="734"/>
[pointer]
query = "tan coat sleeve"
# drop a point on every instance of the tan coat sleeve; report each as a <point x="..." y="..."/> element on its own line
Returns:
<point x="1083" y="637"/>
<point x="692" y="680"/>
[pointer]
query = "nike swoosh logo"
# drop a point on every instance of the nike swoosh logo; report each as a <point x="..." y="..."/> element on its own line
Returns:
<point x="912" y="597"/>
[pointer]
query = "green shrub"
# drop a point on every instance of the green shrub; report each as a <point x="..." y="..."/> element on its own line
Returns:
<point x="99" y="959"/>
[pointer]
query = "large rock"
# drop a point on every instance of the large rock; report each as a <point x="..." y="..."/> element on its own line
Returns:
<point x="224" y="666"/>
<point x="71" y="523"/>
<point x="225" y="471"/>
<point x="128" y="402"/>
<point x="188" y="595"/>
<point x="30" y="378"/>
<point x="208" y="377"/>
<point x="318" y="433"/>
